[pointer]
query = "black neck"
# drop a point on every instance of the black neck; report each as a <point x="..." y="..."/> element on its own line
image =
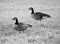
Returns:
<point x="16" y="22"/>
<point x="32" y="11"/>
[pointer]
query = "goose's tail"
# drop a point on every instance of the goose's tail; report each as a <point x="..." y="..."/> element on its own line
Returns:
<point x="47" y="15"/>
<point x="28" y="25"/>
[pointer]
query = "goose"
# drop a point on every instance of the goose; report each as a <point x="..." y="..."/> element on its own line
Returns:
<point x="38" y="15"/>
<point x="21" y="26"/>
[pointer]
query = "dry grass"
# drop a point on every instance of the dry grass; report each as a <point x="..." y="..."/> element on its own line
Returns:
<point x="45" y="32"/>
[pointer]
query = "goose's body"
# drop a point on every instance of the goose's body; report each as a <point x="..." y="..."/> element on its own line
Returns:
<point x="21" y="26"/>
<point x="38" y="15"/>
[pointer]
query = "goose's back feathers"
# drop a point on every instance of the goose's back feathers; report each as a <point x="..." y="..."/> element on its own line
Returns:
<point x="22" y="27"/>
<point x="39" y="15"/>
<point x="19" y="28"/>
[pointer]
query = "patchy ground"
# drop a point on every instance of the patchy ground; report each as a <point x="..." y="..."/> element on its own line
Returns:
<point x="45" y="32"/>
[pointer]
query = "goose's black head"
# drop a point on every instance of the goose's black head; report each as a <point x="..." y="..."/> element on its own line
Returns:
<point x="15" y="18"/>
<point x="31" y="10"/>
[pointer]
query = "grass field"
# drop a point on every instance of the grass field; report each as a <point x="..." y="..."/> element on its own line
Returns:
<point x="45" y="32"/>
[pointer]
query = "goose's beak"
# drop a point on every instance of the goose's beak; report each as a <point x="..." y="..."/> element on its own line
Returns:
<point x="29" y="9"/>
